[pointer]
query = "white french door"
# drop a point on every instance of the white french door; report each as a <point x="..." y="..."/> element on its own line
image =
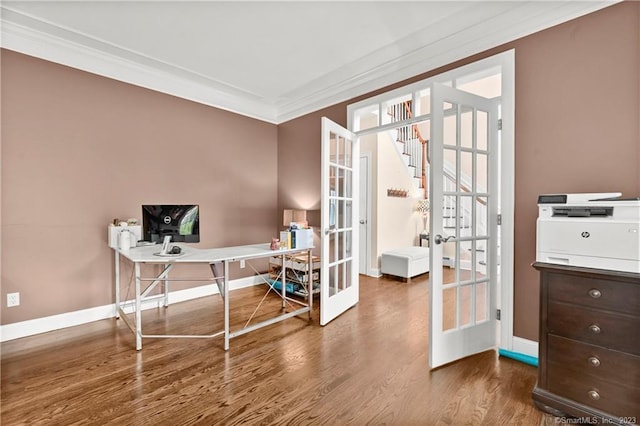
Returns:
<point x="340" y="154"/>
<point x="464" y="187"/>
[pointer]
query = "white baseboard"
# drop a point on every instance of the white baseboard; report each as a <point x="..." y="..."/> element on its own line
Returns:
<point x="69" y="319"/>
<point x="374" y="273"/>
<point x="525" y="346"/>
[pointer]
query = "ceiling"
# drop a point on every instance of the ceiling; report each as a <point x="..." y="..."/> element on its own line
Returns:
<point x="273" y="61"/>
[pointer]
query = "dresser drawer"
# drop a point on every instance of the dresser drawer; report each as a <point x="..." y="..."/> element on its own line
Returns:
<point x="613" y="331"/>
<point x="612" y="398"/>
<point x="607" y="294"/>
<point x="599" y="364"/>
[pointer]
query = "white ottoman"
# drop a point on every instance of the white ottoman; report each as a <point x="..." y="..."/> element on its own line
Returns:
<point x="405" y="262"/>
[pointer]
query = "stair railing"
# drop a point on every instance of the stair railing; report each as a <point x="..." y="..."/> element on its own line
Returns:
<point x="414" y="145"/>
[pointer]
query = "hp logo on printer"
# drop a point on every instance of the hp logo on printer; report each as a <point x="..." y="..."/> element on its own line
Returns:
<point x="167" y="220"/>
<point x="585" y="234"/>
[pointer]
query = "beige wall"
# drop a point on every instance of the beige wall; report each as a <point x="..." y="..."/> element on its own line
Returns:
<point x="388" y="171"/>
<point x="79" y="150"/>
<point x="407" y="224"/>
<point x="577" y="114"/>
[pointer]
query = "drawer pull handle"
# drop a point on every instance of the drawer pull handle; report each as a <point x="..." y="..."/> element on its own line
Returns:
<point x="594" y="395"/>
<point x="595" y="293"/>
<point x="594" y="328"/>
<point x="594" y="361"/>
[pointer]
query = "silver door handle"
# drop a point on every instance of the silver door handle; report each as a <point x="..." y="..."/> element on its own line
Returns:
<point x="330" y="230"/>
<point x="438" y="239"/>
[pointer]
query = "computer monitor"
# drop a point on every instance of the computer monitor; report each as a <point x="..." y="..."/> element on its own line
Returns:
<point x="180" y="221"/>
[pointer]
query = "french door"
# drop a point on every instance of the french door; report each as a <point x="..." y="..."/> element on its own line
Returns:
<point x="464" y="187"/>
<point x="340" y="160"/>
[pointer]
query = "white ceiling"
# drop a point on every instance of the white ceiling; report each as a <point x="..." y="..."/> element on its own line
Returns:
<point x="271" y="60"/>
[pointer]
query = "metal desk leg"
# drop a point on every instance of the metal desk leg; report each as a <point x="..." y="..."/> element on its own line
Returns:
<point x="310" y="283"/>
<point x="226" y="305"/>
<point x="283" y="278"/>
<point x="116" y="254"/>
<point x="166" y="287"/>
<point x="138" y="309"/>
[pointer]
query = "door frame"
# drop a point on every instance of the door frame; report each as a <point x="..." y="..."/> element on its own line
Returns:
<point x="506" y="62"/>
<point x="365" y="252"/>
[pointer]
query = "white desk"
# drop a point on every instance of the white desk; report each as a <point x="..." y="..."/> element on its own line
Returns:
<point x="215" y="257"/>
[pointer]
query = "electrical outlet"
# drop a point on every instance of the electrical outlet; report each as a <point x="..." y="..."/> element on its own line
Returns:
<point x="242" y="265"/>
<point x="13" y="299"/>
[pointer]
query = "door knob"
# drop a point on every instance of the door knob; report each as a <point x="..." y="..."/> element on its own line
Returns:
<point x="438" y="239"/>
<point x="330" y="230"/>
<point x="363" y="221"/>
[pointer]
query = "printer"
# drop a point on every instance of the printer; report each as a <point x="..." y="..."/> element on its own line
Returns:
<point x="595" y="230"/>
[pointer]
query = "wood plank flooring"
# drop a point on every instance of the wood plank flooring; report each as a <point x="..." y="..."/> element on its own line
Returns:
<point x="369" y="366"/>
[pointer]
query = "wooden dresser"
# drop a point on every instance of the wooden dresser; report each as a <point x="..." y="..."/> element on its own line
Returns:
<point x="589" y="349"/>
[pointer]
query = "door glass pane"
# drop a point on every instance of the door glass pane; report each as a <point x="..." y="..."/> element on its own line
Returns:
<point x="466" y="299"/>
<point x="348" y="265"/>
<point x="450" y="130"/>
<point x="340" y="151"/>
<point x="466" y="260"/>
<point x="486" y="83"/>
<point x="466" y="171"/>
<point x="366" y="118"/>
<point x="348" y="184"/>
<point x="482" y="302"/>
<point x="333" y="182"/>
<point x="341" y="214"/>
<point x="398" y="109"/>
<point x="482" y="130"/>
<point x="466" y="127"/>
<point x="348" y="213"/>
<point x="340" y="181"/>
<point x="481" y="216"/>
<point x="423" y="105"/>
<point x="339" y="278"/>
<point x="333" y="148"/>
<point x="348" y="149"/>
<point x="333" y="247"/>
<point x="348" y="236"/>
<point x="449" y="308"/>
<point x="333" y="213"/>
<point x="481" y="172"/>
<point x="333" y="281"/>
<point x="465" y="218"/>
<point x="481" y="258"/>
<point x="449" y="275"/>
<point x="450" y="170"/>
<point x="449" y="217"/>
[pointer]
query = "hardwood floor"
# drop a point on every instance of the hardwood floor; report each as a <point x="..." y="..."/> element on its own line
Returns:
<point x="369" y="366"/>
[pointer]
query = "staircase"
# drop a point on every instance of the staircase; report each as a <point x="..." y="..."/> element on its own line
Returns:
<point x="410" y="145"/>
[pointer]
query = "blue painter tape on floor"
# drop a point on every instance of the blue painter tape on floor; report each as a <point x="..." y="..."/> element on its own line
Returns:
<point x="527" y="359"/>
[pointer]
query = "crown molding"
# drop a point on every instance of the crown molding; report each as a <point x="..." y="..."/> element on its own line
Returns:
<point x="420" y="52"/>
<point x="43" y="41"/>
<point x="425" y="53"/>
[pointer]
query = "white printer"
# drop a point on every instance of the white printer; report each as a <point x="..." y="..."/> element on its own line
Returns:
<point x="596" y="230"/>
